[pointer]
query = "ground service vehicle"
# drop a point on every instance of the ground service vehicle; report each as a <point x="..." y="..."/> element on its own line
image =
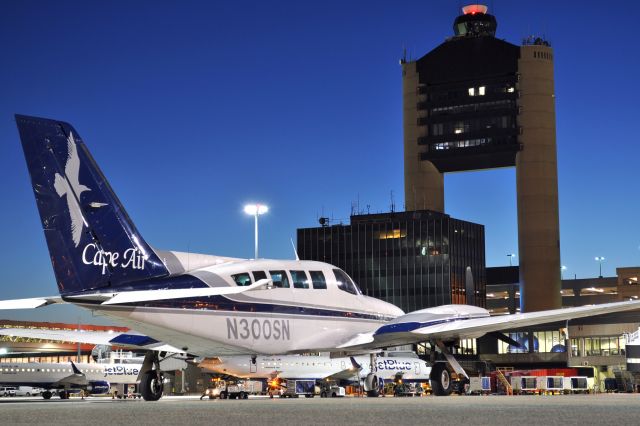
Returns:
<point x="295" y="388"/>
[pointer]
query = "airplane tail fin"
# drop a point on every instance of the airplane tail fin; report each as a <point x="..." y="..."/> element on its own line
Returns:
<point x="92" y="242"/>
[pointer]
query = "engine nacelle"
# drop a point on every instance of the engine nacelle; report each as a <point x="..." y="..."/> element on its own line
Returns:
<point x="98" y="387"/>
<point x="371" y="382"/>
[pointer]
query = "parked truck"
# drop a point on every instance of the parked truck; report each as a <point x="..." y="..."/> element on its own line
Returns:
<point x="234" y="390"/>
<point x="295" y="388"/>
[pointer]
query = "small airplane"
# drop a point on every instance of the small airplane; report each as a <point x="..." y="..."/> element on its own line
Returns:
<point x="210" y="306"/>
<point x="64" y="377"/>
<point x="389" y="366"/>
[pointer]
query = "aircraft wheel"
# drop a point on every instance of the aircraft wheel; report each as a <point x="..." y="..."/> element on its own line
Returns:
<point x="46" y="395"/>
<point x="63" y="395"/>
<point x="372" y="393"/>
<point x="441" y="379"/>
<point x="151" y="385"/>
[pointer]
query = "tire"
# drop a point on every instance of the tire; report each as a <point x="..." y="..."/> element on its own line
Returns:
<point x="372" y="394"/>
<point x="46" y="394"/>
<point x="150" y="386"/>
<point x="323" y="394"/>
<point x="440" y="379"/>
<point x="223" y="395"/>
<point x="333" y="395"/>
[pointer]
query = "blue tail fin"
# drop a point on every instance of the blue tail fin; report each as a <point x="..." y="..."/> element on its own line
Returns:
<point x="92" y="242"/>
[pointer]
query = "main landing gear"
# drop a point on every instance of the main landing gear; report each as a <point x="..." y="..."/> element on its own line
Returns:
<point x="371" y="381"/>
<point x="151" y="378"/>
<point x="440" y="377"/>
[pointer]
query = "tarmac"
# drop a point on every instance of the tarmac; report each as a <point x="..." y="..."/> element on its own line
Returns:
<point x="454" y="410"/>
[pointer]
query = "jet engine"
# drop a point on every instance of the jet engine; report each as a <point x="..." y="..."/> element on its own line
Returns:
<point x="371" y="384"/>
<point x="98" y="387"/>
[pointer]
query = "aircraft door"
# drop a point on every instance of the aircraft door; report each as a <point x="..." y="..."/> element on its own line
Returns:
<point x="416" y="367"/>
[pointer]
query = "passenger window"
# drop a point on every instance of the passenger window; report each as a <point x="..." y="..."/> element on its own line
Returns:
<point x="299" y="279"/>
<point x="279" y="279"/>
<point x="317" y="278"/>
<point x="259" y="275"/>
<point x="344" y="282"/>
<point x="242" y="279"/>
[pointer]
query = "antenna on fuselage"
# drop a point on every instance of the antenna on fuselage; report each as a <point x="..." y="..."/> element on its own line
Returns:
<point x="295" y="251"/>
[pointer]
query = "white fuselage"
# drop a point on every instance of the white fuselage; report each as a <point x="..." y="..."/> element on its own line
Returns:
<point x="319" y="367"/>
<point x="275" y="320"/>
<point x="53" y="374"/>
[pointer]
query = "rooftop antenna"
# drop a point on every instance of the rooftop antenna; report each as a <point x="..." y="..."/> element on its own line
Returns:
<point x="393" y="205"/>
<point x="295" y="251"/>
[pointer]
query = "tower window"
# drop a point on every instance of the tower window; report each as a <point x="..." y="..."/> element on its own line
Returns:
<point x="472" y="91"/>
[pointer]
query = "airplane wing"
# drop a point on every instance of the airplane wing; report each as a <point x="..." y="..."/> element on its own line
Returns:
<point x="420" y="326"/>
<point x="351" y="373"/>
<point x="35" y="302"/>
<point x="124" y="339"/>
<point x="132" y="296"/>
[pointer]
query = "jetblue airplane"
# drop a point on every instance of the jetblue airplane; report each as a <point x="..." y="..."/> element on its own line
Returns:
<point x="63" y="377"/>
<point x="404" y="365"/>
<point x="211" y="306"/>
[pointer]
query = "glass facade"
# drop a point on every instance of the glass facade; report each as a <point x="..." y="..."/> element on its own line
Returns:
<point x="414" y="260"/>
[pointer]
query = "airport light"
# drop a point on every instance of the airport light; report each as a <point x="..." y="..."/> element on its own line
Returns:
<point x="600" y="259"/>
<point x="511" y="256"/>
<point x="562" y="269"/>
<point x="256" y="210"/>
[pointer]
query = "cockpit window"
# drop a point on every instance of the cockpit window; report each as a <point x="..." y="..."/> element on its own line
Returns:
<point x="345" y="283"/>
<point x="279" y="279"/>
<point x="299" y="279"/>
<point x="317" y="278"/>
<point x="242" y="279"/>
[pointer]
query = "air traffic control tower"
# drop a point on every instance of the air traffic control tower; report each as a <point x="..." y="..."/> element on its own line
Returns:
<point x="478" y="102"/>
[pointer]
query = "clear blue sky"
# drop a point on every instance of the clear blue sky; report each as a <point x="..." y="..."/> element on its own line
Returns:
<point x="194" y="108"/>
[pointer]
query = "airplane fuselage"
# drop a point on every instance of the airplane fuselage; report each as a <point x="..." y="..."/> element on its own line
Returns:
<point x="55" y="375"/>
<point x="318" y="367"/>
<point x="309" y="306"/>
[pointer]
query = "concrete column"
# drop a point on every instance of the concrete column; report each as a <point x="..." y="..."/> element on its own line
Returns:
<point x="537" y="183"/>
<point x="423" y="183"/>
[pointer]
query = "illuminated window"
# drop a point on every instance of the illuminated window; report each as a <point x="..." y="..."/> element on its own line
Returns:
<point x="472" y="91"/>
<point x="481" y="90"/>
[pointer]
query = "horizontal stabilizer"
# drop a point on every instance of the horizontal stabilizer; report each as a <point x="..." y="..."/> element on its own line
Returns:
<point x="123" y="339"/>
<point x="35" y="302"/>
<point x="148" y="295"/>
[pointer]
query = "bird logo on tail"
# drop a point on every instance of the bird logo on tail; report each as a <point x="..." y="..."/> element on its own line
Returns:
<point x="70" y="186"/>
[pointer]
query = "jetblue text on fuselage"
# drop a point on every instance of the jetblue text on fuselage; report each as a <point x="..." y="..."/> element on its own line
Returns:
<point x="131" y="258"/>
<point x="392" y="364"/>
<point x="121" y="370"/>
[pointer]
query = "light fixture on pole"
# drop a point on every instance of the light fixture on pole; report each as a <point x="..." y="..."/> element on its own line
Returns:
<point x="256" y="210"/>
<point x="562" y="269"/>
<point x="511" y="256"/>
<point x="600" y="259"/>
